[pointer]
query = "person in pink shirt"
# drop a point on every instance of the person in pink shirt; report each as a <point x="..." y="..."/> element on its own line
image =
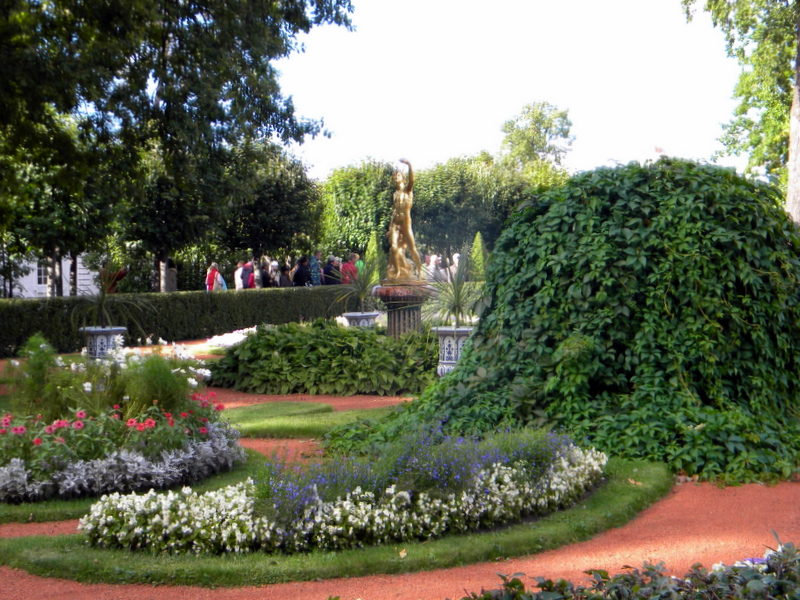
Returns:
<point x="349" y="269"/>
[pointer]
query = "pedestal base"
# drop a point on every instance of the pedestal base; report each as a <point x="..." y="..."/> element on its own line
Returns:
<point x="403" y="302"/>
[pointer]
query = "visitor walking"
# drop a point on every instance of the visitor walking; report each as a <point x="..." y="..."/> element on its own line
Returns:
<point x="315" y="266"/>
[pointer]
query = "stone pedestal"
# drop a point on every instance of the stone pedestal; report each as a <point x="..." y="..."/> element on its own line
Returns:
<point x="102" y="340"/>
<point x="403" y="302"/>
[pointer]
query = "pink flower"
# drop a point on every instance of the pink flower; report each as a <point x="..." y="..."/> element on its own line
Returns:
<point x="18" y="430"/>
<point x="140" y="427"/>
<point x="77" y="425"/>
<point x="3" y="430"/>
<point x="81" y="414"/>
<point x="167" y="415"/>
<point x="131" y="422"/>
<point x="203" y="430"/>
<point x="171" y="422"/>
<point x="115" y="416"/>
<point x="219" y="406"/>
<point x="37" y="441"/>
<point x="149" y="423"/>
<point x="115" y="407"/>
<point x="212" y="394"/>
<point x="61" y="423"/>
<point x="6" y="421"/>
<point x="49" y="429"/>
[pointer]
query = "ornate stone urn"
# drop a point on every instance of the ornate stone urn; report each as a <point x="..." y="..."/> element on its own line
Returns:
<point x="451" y="343"/>
<point x="101" y="340"/>
<point x="361" y="319"/>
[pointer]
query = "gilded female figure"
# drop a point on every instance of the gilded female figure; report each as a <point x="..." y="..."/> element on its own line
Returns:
<point x="401" y="237"/>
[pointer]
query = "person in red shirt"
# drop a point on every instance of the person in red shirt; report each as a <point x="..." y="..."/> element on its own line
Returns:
<point x="349" y="269"/>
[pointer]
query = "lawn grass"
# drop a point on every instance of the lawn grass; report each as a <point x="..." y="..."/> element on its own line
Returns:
<point x="59" y="510"/>
<point x="631" y="487"/>
<point x="280" y="419"/>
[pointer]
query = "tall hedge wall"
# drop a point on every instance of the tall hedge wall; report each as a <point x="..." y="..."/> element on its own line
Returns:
<point x="171" y="316"/>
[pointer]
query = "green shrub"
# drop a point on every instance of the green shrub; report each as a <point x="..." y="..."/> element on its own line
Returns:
<point x="651" y="310"/>
<point x="324" y="358"/>
<point x="776" y="576"/>
<point x="171" y="316"/>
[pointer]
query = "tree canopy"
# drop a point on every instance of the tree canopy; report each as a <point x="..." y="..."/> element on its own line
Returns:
<point x="763" y="36"/>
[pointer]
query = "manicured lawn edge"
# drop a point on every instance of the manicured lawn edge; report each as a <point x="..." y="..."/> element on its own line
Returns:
<point x="60" y="510"/>
<point x="631" y="487"/>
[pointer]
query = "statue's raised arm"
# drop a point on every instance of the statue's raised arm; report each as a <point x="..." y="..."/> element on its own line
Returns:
<point x="409" y="177"/>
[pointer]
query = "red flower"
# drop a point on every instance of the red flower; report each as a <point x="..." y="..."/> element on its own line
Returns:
<point x="77" y="425"/>
<point x="184" y="415"/>
<point x="115" y="407"/>
<point x="149" y="423"/>
<point x="140" y="427"/>
<point x="219" y="406"/>
<point x="171" y="422"/>
<point x="167" y="415"/>
<point x="203" y="430"/>
<point x="81" y="414"/>
<point x="203" y="420"/>
<point x="212" y="394"/>
<point x="4" y="430"/>
<point x="131" y="422"/>
<point x="37" y="441"/>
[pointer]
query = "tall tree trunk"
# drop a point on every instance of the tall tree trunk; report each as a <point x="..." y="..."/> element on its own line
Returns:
<point x="155" y="279"/>
<point x="73" y="274"/>
<point x="793" y="166"/>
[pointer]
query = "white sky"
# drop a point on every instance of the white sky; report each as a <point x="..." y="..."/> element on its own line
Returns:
<point x="430" y="80"/>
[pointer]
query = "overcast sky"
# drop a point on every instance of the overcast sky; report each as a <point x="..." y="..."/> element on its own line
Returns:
<point x="430" y="80"/>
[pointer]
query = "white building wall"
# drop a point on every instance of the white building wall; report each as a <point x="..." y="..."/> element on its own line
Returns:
<point x="29" y="286"/>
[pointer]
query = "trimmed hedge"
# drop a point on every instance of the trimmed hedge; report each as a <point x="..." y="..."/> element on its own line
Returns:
<point x="171" y="316"/>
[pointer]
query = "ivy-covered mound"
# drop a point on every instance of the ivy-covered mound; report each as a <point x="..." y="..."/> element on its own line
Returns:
<point x="652" y="310"/>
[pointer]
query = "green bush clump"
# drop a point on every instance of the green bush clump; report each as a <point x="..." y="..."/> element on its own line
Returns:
<point x="775" y="576"/>
<point x="650" y="310"/>
<point x="324" y="358"/>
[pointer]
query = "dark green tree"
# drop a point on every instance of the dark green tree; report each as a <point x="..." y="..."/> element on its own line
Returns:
<point x="358" y="201"/>
<point x="271" y="202"/>
<point x="454" y="200"/>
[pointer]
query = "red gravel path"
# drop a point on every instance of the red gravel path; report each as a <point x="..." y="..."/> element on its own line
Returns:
<point x="695" y="523"/>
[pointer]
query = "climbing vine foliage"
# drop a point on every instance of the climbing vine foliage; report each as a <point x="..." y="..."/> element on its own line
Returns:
<point x="652" y="310"/>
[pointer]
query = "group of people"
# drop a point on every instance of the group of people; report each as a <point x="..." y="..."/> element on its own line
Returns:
<point x="306" y="271"/>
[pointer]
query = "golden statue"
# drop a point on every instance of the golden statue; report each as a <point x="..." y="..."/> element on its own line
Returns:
<point x="401" y="238"/>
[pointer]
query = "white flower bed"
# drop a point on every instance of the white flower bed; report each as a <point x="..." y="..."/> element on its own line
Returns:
<point x="225" y="521"/>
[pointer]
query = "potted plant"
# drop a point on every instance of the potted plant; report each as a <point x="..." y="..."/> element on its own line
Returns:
<point x="452" y="304"/>
<point x="360" y="289"/>
<point x="93" y="318"/>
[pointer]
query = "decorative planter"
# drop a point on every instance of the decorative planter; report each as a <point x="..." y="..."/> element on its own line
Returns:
<point x="361" y="319"/>
<point x="101" y="340"/>
<point x="451" y="342"/>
